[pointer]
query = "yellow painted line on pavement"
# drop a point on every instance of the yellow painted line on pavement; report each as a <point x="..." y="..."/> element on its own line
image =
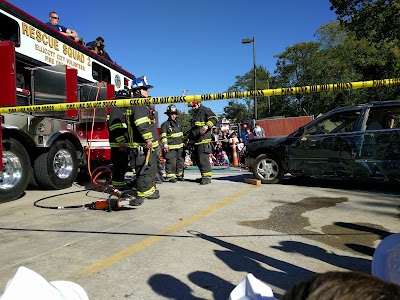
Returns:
<point x="117" y="257"/>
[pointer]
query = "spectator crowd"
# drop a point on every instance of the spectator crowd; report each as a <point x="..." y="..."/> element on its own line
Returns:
<point x="224" y="142"/>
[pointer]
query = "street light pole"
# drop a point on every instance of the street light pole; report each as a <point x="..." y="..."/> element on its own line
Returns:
<point x="184" y="103"/>
<point x="248" y="41"/>
<point x="269" y="99"/>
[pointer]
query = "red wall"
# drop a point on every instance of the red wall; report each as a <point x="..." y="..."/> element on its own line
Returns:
<point x="284" y="126"/>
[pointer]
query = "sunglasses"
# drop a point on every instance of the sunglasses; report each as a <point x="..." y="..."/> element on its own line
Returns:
<point x="57" y="18"/>
<point x="144" y="88"/>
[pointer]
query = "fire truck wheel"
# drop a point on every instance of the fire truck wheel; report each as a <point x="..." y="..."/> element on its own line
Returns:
<point x="57" y="168"/>
<point x="267" y="169"/>
<point x="17" y="170"/>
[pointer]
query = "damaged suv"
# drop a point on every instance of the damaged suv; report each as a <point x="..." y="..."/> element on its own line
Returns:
<point x="360" y="142"/>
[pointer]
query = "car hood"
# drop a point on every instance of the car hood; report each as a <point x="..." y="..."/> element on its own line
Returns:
<point x="265" y="142"/>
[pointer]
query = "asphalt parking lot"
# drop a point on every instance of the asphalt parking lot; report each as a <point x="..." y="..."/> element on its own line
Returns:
<point x="198" y="242"/>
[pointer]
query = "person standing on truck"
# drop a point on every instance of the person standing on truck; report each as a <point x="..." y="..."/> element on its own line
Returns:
<point x="62" y="29"/>
<point x="143" y="139"/>
<point x="200" y="134"/>
<point x="172" y="140"/>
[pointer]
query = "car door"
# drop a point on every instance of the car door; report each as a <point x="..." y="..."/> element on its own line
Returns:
<point x="378" y="145"/>
<point x="326" y="147"/>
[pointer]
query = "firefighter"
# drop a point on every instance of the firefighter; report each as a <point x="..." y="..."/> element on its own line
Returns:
<point x="200" y="135"/>
<point x="143" y="139"/>
<point x="172" y="140"/>
<point x="118" y="138"/>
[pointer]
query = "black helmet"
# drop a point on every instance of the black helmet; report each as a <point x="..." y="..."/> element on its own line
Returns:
<point x="171" y="109"/>
<point x="123" y="94"/>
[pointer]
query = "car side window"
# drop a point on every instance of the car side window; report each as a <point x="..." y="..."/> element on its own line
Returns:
<point x="343" y="122"/>
<point x="386" y="118"/>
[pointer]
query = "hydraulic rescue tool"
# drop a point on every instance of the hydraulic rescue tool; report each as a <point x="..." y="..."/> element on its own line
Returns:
<point x="116" y="200"/>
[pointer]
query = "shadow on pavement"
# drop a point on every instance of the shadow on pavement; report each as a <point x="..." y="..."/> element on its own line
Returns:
<point x="170" y="287"/>
<point x="244" y="260"/>
<point x="362" y="248"/>
<point x="341" y="261"/>
<point x="217" y="285"/>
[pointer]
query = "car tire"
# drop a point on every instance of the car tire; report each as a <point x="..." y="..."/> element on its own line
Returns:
<point x="267" y="169"/>
<point x="17" y="170"/>
<point x="58" y="167"/>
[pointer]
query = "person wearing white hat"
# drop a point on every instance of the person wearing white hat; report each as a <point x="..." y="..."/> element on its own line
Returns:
<point x="143" y="140"/>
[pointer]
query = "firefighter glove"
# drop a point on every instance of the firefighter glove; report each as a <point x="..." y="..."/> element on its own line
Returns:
<point x="149" y="144"/>
<point x="203" y="129"/>
<point x="122" y="147"/>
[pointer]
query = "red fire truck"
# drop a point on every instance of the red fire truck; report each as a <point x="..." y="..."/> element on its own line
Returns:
<point x="38" y="65"/>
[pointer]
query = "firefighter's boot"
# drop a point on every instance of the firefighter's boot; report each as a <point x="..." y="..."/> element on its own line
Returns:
<point x="205" y="180"/>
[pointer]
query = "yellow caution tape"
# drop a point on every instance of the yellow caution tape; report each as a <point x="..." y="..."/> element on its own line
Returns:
<point x="205" y="97"/>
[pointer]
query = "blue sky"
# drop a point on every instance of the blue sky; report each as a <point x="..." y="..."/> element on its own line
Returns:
<point x="189" y="45"/>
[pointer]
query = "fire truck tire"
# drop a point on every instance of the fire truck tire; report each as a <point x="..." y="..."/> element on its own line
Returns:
<point x="17" y="170"/>
<point x="57" y="168"/>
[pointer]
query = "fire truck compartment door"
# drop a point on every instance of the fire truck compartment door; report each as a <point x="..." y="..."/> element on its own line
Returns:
<point x="52" y="85"/>
<point x="7" y="74"/>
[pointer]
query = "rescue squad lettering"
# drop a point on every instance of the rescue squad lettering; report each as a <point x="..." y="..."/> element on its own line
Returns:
<point x="55" y="52"/>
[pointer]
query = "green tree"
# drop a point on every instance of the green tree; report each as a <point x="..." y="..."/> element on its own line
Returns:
<point x="376" y="25"/>
<point x="296" y="67"/>
<point x="184" y="119"/>
<point x="363" y="45"/>
<point x="236" y="112"/>
<point x="337" y="56"/>
<point x="246" y="83"/>
<point x="336" y="62"/>
<point x="375" y="20"/>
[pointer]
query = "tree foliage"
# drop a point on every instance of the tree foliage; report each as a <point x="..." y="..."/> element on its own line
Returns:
<point x="362" y="45"/>
<point x="375" y="20"/>
<point x="236" y="112"/>
<point x="184" y="119"/>
<point x="246" y="83"/>
<point x="375" y="24"/>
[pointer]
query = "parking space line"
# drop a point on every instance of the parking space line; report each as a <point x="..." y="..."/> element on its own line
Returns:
<point x="117" y="257"/>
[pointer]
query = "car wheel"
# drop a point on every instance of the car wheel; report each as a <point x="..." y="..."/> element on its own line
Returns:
<point x="267" y="169"/>
<point x="17" y="170"/>
<point x="58" y="167"/>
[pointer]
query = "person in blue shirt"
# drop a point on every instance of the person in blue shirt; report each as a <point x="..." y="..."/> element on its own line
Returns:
<point x="62" y="29"/>
<point x="98" y="47"/>
<point x="249" y="135"/>
<point x="243" y="133"/>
